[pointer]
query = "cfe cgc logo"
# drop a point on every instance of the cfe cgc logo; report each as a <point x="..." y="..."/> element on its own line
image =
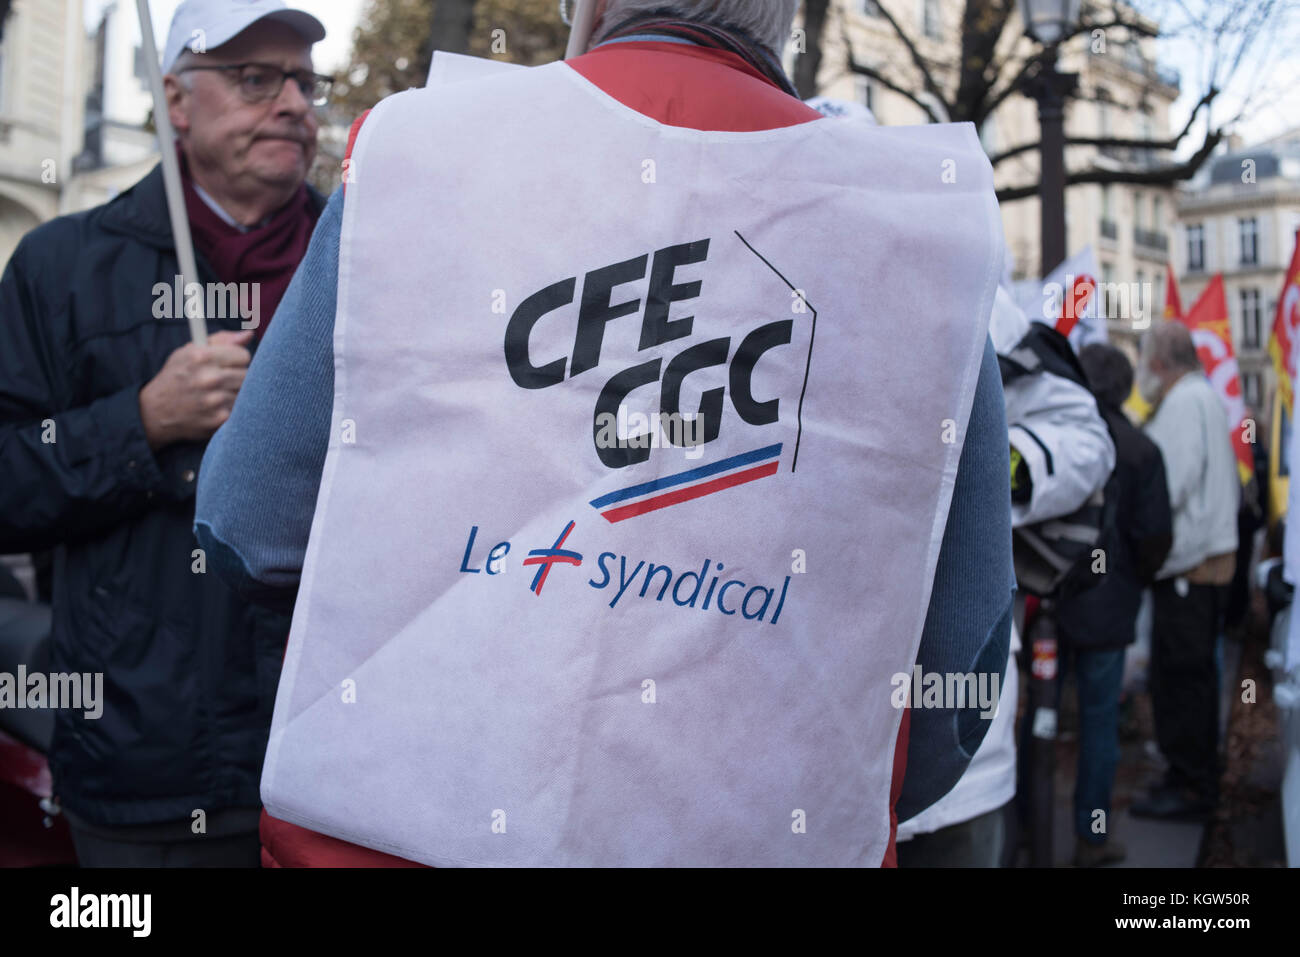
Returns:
<point x="705" y="586"/>
<point x="596" y="309"/>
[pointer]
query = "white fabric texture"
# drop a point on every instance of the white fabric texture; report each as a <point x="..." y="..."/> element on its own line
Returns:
<point x="447" y="68"/>
<point x="581" y="722"/>
<point x="1191" y="429"/>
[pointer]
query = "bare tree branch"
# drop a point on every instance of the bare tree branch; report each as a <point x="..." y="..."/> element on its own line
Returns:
<point x="983" y="23"/>
<point x="917" y="59"/>
<point x="1118" y="20"/>
<point x="1153" y="144"/>
<point x="1013" y="86"/>
<point x="810" y="61"/>
<point x="1087" y="26"/>
<point x="863" y="70"/>
<point x="856" y="66"/>
<point x="1160" y="176"/>
<point x="988" y="67"/>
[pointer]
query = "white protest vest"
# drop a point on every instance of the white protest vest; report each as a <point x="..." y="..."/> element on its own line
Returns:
<point x="522" y="638"/>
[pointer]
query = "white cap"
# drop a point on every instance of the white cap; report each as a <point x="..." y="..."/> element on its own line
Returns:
<point x="203" y="25"/>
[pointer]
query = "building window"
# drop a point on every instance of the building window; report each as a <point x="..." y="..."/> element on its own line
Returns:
<point x="1133" y="55"/>
<point x="1157" y="214"/>
<point x="1139" y="209"/>
<point x="1107" y="284"/>
<point x="1251" y="318"/>
<point x="1249" y="232"/>
<point x="1109" y="229"/>
<point x="1196" y="248"/>
<point x="865" y="92"/>
<point x="1146" y="133"/>
<point x="1251" y="386"/>
<point x="1140" y="297"/>
<point x="869" y="8"/>
<point x="930" y="24"/>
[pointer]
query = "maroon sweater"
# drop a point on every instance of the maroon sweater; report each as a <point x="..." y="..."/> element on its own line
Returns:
<point x="267" y="255"/>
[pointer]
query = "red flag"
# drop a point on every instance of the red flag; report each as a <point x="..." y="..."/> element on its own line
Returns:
<point x="1286" y="328"/>
<point x="1173" y="304"/>
<point x="1074" y="303"/>
<point x="1208" y="322"/>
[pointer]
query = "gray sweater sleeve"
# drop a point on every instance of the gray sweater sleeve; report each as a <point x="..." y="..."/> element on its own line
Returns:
<point x="968" y="624"/>
<point x="261" y="472"/>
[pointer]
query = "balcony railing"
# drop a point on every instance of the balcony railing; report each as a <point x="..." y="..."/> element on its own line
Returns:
<point x="1151" y="240"/>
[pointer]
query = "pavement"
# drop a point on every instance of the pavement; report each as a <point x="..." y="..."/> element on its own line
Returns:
<point x="1149" y="843"/>
<point x="1246" y="829"/>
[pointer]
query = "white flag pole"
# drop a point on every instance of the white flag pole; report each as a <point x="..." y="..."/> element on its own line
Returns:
<point x="172" y="177"/>
<point x="584" y="18"/>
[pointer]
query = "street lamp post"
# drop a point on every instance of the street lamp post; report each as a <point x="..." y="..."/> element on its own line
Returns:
<point x="1046" y="21"/>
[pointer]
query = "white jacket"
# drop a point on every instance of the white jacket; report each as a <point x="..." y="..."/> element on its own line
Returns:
<point x="1055" y="425"/>
<point x="1191" y="429"/>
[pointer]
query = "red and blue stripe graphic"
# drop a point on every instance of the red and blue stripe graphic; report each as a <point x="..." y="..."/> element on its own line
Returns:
<point x="546" y="557"/>
<point x="689" y="485"/>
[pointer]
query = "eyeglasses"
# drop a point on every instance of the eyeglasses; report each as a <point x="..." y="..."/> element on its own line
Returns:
<point x="262" y="82"/>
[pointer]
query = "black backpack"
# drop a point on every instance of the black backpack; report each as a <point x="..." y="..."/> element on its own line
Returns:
<point x="1055" y="558"/>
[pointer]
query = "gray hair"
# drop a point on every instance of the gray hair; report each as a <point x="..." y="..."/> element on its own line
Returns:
<point x="767" y="21"/>
<point x="1170" y="344"/>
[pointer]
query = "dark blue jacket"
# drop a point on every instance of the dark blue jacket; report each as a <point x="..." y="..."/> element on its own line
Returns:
<point x="190" y="670"/>
<point x="1135" y="544"/>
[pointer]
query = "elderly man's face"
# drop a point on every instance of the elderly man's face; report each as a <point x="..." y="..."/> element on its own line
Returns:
<point x="272" y="143"/>
<point x="1151" y="375"/>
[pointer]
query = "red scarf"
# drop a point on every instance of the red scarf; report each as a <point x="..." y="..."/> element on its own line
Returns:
<point x="268" y="255"/>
